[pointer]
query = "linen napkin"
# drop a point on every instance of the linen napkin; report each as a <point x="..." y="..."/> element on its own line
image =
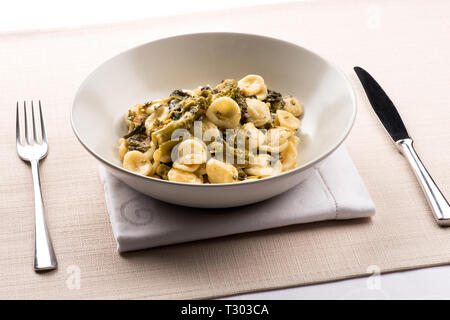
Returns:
<point x="334" y="191"/>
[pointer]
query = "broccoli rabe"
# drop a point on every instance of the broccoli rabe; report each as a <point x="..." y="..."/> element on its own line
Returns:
<point x="275" y="99"/>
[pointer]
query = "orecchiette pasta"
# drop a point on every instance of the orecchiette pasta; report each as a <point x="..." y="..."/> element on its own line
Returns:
<point x="293" y="106"/>
<point x="185" y="167"/>
<point x="224" y="112"/>
<point x="257" y="112"/>
<point x="165" y="155"/>
<point x="208" y="131"/>
<point x="138" y="162"/>
<point x="221" y="172"/>
<point x="192" y="151"/>
<point x="277" y="139"/>
<point x="149" y="153"/>
<point x="255" y="137"/>
<point x="287" y="120"/>
<point x="253" y="85"/>
<point x="295" y="140"/>
<point x="123" y="148"/>
<point x="262" y="166"/>
<point x="235" y="131"/>
<point x="183" y="176"/>
<point x="289" y="157"/>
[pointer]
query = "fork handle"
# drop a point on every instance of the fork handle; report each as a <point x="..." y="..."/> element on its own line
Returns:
<point x="44" y="255"/>
<point x="436" y="199"/>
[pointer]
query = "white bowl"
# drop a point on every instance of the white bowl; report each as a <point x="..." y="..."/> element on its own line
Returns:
<point x="155" y="69"/>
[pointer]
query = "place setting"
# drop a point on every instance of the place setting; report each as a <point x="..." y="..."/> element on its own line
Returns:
<point x="195" y="170"/>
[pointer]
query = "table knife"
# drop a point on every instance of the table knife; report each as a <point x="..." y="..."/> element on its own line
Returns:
<point x="393" y="123"/>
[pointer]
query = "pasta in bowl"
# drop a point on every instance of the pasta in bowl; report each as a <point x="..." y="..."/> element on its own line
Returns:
<point x="164" y="154"/>
<point x="236" y="131"/>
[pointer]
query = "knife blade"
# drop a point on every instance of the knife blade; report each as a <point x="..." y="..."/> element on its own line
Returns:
<point x="393" y="123"/>
<point x="383" y="106"/>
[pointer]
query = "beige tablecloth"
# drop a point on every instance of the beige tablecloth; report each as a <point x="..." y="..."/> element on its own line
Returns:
<point x="404" y="44"/>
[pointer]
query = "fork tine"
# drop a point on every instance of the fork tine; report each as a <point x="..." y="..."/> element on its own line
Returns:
<point x="17" y="124"/>
<point x="34" y="123"/>
<point x="27" y="138"/>
<point x="44" y="134"/>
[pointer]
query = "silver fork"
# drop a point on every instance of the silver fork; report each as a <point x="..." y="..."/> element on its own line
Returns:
<point x="30" y="149"/>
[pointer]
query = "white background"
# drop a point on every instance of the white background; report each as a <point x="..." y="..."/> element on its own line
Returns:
<point x="19" y="15"/>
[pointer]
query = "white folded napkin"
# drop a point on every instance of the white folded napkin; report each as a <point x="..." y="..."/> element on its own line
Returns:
<point x="334" y="191"/>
